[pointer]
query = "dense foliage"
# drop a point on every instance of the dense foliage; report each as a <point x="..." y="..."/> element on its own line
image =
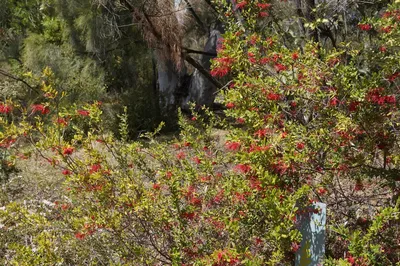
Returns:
<point x="306" y="120"/>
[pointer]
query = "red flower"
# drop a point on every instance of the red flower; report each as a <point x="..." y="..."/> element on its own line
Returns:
<point x="300" y="145"/>
<point x="263" y="14"/>
<point x="66" y="172"/>
<point x="233" y="146"/>
<point x="387" y="29"/>
<point x="230" y="105"/>
<point x="83" y="112"/>
<point x="168" y="174"/>
<point x="322" y="191"/>
<point x="181" y="155"/>
<point x="156" y="186"/>
<point x="390" y="99"/>
<point x="223" y="66"/>
<point x="334" y="101"/>
<point x="295" y="246"/>
<point x="6" y="143"/>
<point x="258" y="241"/>
<point x="353" y="106"/>
<point x="5" y="109"/>
<point x="95" y="168"/>
<point x="358" y="186"/>
<point x="196" y="160"/>
<point x="242" y="168"/>
<point x="351" y="260"/>
<point x="219" y="197"/>
<point x="62" y="121"/>
<point x="252" y="60"/>
<point x="188" y="215"/>
<point x="220" y="71"/>
<point x="80" y="235"/>
<point x="382" y="49"/>
<point x="365" y="27"/>
<point x="40" y="108"/>
<point x="280" y="67"/>
<point x="240" y="120"/>
<point x="264" y="60"/>
<point x="255" y="183"/>
<point x="393" y="77"/>
<point x="263" y="5"/>
<point x="68" y="151"/>
<point x="241" y="5"/>
<point x="295" y="56"/>
<point x="261" y="133"/>
<point x="273" y="96"/>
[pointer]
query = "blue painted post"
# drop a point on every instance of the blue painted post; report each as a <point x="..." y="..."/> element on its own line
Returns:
<point x="312" y="227"/>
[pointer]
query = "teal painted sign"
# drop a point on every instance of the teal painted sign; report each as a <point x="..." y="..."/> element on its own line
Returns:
<point x="312" y="222"/>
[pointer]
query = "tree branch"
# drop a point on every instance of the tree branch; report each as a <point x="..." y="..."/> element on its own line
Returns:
<point x="11" y="76"/>
<point x="196" y="17"/>
<point x="191" y="51"/>
<point x="203" y="71"/>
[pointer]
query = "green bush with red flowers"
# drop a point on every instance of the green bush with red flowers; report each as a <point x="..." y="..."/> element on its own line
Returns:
<point x="301" y="125"/>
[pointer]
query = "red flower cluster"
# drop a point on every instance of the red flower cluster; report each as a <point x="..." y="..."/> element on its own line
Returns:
<point x="181" y="155"/>
<point x="5" y="109"/>
<point x="223" y="67"/>
<point x="83" y="112"/>
<point x="242" y="168"/>
<point x="62" y="121"/>
<point x="263" y="5"/>
<point x="40" y="108"/>
<point x="295" y="246"/>
<point x="334" y="101"/>
<point x="300" y="145"/>
<point x="375" y="96"/>
<point x="196" y="160"/>
<point x="279" y="167"/>
<point x="364" y="27"/>
<point x="353" y="106"/>
<point x="273" y="96"/>
<point x="280" y="67"/>
<point x="387" y="29"/>
<point x="80" y="235"/>
<point x="156" y="186"/>
<point x="68" y="150"/>
<point x="241" y="5"/>
<point x="94" y="168"/>
<point x="230" y="105"/>
<point x="232" y="145"/>
<point x="66" y="172"/>
<point x="6" y="143"/>
<point x="322" y="191"/>
<point x="256" y="148"/>
<point x="394" y="76"/>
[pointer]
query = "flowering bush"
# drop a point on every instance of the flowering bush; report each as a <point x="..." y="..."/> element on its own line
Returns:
<point x="310" y="125"/>
<point x="189" y="201"/>
<point x="317" y="116"/>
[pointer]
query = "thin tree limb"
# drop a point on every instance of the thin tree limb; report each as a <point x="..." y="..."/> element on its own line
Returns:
<point x="191" y="51"/>
<point x="196" y="17"/>
<point x="203" y="71"/>
<point x="11" y="76"/>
